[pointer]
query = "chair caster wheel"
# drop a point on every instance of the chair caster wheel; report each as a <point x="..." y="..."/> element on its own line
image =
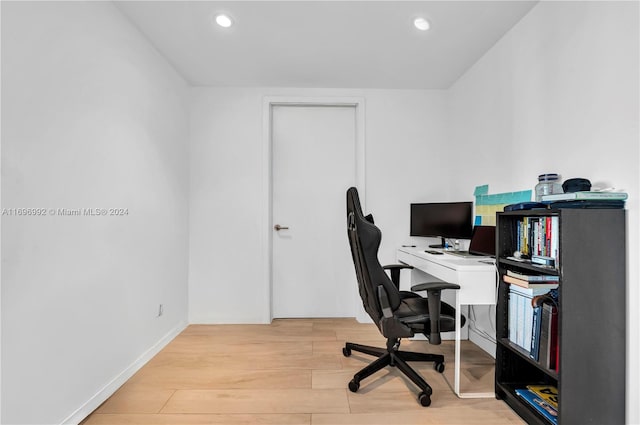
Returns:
<point x="424" y="399"/>
<point x="354" y="385"/>
<point x="439" y="367"/>
<point x="346" y="351"/>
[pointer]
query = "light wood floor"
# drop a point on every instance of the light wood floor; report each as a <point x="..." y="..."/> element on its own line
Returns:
<point x="292" y="372"/>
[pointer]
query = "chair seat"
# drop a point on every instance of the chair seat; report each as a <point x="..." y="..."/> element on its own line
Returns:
<point x="415" y="313"/>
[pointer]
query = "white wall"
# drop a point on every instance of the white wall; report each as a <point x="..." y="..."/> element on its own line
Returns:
<point x="92" y="117"/>
<point x="405" y="133"/>
<point x="559" y="93"/>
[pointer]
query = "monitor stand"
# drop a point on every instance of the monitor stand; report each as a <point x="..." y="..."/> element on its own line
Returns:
<point x="440" y="245"/>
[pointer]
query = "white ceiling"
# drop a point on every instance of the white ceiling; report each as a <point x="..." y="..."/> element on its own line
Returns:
<point x="337" y="44"/>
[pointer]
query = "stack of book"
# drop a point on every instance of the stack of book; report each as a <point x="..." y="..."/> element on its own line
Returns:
<point x="525" y="325"/>
<point x="531" y="281"/>
<point x="543" y="398"/>
<point x="586" y="196"/>
<point x="537" y="239"/>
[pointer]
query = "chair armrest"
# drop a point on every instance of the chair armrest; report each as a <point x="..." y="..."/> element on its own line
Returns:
<point x="397" y="266"/>
<point x="434" y="290"/>
<point x="430" y="286"/>
<point x="395" y="272"/>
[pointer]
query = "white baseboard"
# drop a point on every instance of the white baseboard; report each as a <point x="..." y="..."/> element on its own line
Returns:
<point x="107" y="391"/>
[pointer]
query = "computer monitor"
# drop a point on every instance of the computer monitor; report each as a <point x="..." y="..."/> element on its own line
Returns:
<point x="442" y="220"/>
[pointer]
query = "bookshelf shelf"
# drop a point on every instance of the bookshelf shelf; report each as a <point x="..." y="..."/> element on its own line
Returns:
<point x="530" y="267"/>
<point x="588" y="247"/>
<point x="525" y="356"/>
<point x="530" y="415"/>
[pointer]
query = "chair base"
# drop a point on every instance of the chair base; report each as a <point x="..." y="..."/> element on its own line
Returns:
<point x="392" y="356"/>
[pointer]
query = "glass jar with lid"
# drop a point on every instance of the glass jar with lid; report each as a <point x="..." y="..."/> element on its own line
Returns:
<point x="548" y="184"/>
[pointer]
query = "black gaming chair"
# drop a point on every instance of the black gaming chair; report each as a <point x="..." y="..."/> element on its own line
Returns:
<point x="396" y="313"/>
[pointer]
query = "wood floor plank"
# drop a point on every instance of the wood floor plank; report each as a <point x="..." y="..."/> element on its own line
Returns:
<point x="375" y="401"/>
<point x="194" y="378"/>
<point x="249" y="356"/>
<point x="372" y="400"/>
<point x="279" y="331"/>
<point x="258" y="401"/>
<point x="427" y="416"/>
<point x="188" y="344"/>
<point x="149" y="400"/>
<point x="197" y="419"/>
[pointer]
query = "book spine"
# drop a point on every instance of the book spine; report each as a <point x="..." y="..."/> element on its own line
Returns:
<point x="535" y="334"/>
<point x="533" y="278"/>
<point x="553" y="340"/>
<point x="533" y="290"/>
<point x="532" y="226"/>
<point x="523" y="320"/>
<point x="540" y="236"/>
<point x="621" y="196"/>
<point x="559" y="197"/>
<point x="543" y="260"/>
<point x="547" y="241"/>
<point x="525" y="236"/>
<point x="515" y="281"/>
<point x="587" y="196"/>
<point x="529" y="288"/>
<point x="555" y="236"/>
<point x="520" y="321"/>
<point x="543" y="347"/>
<point x="548" y="345"/>
<point x="513" y="308"/>
<point x="536" y="234"/>
<point x="528" y="324"/>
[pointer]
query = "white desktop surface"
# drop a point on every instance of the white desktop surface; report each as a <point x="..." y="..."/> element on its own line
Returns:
<point x="476" y="277"/>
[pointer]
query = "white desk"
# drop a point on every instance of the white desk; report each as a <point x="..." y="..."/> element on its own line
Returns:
<point x="477" y="280"/>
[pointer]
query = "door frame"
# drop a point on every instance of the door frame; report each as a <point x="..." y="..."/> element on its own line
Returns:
<point x="267" y="175"/>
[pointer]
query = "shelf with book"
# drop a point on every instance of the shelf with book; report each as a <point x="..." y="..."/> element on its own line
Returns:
<point x="542" y="406"/>
<point x="527" y="265"/>
<point x="510" y="391"/>
<point x="562" y="338"/>
<point x="531" y="328"/>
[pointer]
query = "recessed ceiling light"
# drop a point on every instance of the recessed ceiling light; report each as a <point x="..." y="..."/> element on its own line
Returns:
<point x="422" y="24"/>
<point x="224" y="21"/>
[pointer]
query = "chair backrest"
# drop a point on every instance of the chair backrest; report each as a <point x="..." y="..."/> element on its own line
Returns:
<point x="364" y="239"/>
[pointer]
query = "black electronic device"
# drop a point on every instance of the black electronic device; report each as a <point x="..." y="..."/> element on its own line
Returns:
<point x="483" y="241"/>
<point x="430" y="251"/>
<point x="442" y="220"/>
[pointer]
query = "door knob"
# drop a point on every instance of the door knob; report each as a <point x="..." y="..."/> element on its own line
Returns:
<point x="278" y="227"/>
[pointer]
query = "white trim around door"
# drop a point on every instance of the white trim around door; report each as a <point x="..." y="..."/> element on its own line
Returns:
<point x="267" y="182"/>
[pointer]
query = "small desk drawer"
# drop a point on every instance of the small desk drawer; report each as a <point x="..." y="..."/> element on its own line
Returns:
<point x="438" y="270"/>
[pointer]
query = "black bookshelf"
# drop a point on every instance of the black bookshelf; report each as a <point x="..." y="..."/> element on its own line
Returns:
<point x="591" y="266"/>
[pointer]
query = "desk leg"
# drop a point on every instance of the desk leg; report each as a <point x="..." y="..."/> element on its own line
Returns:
<point x="456" y="369"/>
<point x="456" y="373"/>
<point x="457" y="358"/>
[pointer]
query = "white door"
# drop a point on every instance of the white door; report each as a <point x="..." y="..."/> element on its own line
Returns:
<point x="313" y="164"/>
